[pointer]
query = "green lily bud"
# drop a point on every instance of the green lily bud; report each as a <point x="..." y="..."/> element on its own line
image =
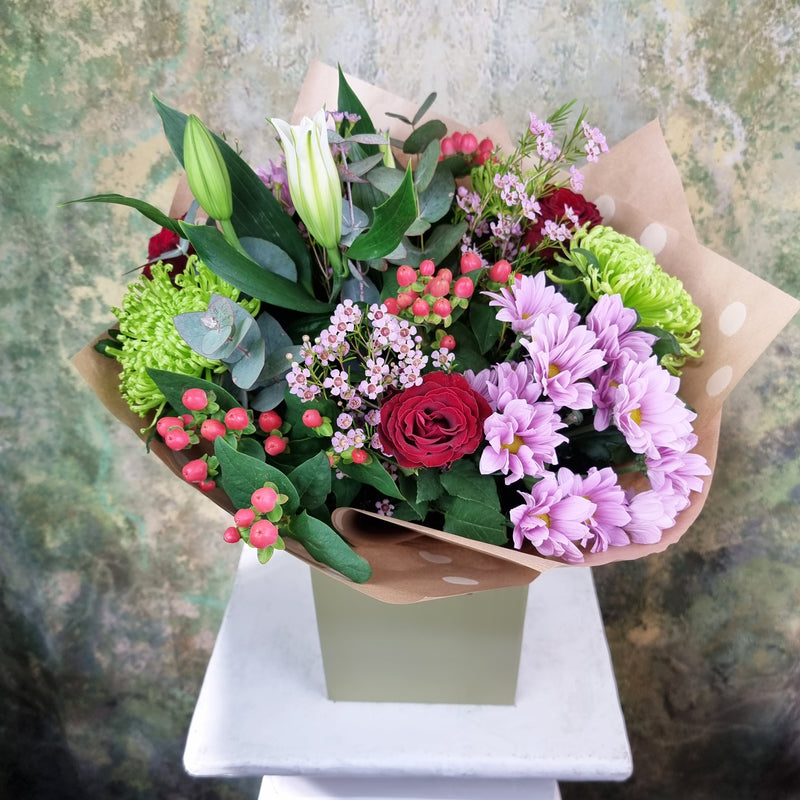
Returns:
<point x="312" y="177"/>
<point x="206" y="171"/>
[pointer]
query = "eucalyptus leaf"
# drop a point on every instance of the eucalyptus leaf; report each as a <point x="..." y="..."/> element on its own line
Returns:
<point x="246" y="370"/>
<point x="268" y="397"/>
<point x="420" y="137"/>
<point x="270" y="256"/>
<point x="426" y="104"/>
<point x="386" y="179"/>
<point x="364" y="165"/>
<point x="360" y="289"/>
<point x="437" y="199"/>
<point x="426" y="167"/>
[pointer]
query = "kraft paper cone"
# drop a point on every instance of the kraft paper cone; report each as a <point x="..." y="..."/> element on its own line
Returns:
<point x="638" y="190"/>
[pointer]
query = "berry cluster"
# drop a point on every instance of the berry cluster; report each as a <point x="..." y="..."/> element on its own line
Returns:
<point x="429" y="295"/>
<point x="467" y="145"/>
<point x="256" y="523"/>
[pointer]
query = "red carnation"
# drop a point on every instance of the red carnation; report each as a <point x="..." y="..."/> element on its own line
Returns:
<point x="552" y="207"/>
<point x="433" y="424"/>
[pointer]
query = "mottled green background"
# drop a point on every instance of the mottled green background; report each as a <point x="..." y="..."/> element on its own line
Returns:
<point x="113" y="578"/>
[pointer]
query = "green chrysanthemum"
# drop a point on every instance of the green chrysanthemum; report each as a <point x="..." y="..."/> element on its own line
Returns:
<point x="622" y="266"/>
<point x="148" y="336"/>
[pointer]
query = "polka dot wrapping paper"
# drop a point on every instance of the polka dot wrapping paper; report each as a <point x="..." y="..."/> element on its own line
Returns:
<point x="638" y="191"/>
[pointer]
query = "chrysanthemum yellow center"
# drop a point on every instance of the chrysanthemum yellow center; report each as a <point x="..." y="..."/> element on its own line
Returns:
<point x="514" y="446"/>
<point x="552" y="371"/>
<point x="636" y="416"/>
<point x="545" y="518"/>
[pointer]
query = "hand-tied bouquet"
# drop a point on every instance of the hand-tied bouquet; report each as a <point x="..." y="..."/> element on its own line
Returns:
<point x="426" y="327"/>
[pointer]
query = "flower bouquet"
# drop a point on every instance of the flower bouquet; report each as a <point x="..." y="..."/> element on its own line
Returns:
<point x="433" y="362"/>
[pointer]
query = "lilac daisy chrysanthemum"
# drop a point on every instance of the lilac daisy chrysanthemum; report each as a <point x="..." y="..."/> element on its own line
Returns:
<point x="562" y="358"/>
<point x="551" y="519"/>
<point x="651" y="514"/>
<point x="613" y="325"/>
<point x="677" y="474"/>
<point x="521" y="440"/>
<point x="529" y="298"/>
<point x="505" y="382"/>
<point x="648" y="411"/>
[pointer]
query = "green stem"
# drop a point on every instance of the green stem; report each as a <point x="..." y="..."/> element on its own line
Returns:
<point x="337" y="262"/>
<point x="230" y="235"/>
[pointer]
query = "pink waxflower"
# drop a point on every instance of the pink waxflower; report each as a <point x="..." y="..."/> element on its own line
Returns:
<point x="552" y="519"/>
<point x="521" y="440"/>
<point x="606" y="525"/>
<point x="529" y="298"/>
<point x="648" y="411"/>
<point x="562" y="358"/>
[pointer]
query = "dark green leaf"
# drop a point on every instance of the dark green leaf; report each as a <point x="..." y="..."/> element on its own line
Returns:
<point x="476" y="521"/>
<point x="253" y="448"/>
<point x="326" y="546"/>
<point x="173" y="384"/>
<point x="428" y="485"/>
<point x="408" y="487"/>
<point x="241" y="475"/>
<point x="374" y="475"/>
<point x="485" y="325"/>
<point x="242" y="272"/>
<point x="391" y="220"/>
<point x="348" y="101"/>
<point x="439" y="245"/>
<point x="465" y="481"/>
<point x="151" y="212"/>
<point x="312" y="479"/>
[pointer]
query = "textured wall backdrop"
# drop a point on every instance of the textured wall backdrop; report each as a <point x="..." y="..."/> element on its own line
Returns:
<point x="113" y="578"/>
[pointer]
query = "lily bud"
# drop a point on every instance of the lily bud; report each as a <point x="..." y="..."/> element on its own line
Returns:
<point x="312" y="177"/>
<point x="206" y="171"/>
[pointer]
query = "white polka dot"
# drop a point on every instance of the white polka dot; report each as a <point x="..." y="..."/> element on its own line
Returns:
<point x="435" y="558"/>
<point x="719" y="381"/>
<point x="460" y="581"/>
<point x="732" y="318"/>
<point x="654" y="238"/>
<point x="606" y="206"/>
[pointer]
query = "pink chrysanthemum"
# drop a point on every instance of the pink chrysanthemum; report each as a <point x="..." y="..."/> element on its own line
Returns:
<point x="505" y="382"/>
<point x="521" y="440"/>
<point x="562" y="358"/>
<point x="605" y="526"/>
<point x="648" y="411"/>
<point x="552" y="519"/>
<point x="651" y="514"/>
<point x="677" y="474"/>
<point x="528" y="299"/>
<point x="613" y="325"/>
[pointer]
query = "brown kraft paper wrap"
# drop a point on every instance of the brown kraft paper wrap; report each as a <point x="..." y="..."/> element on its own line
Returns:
<point x="638" y="190"/>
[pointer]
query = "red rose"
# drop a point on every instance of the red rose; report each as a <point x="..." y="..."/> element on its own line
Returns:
<point x="433" y="424"/>
<point x="552" y="207"/>
<point x="165" y="241"/>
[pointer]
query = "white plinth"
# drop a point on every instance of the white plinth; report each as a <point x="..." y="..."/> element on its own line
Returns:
<point x="263" y="709"/>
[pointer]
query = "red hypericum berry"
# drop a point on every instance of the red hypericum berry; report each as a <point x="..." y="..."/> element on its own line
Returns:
<point x="500" y="271"/>
<point x="448" y="342"/>
<point x="274" y="445"/>
<point x="469" y="143"/>
<point x="359" y="455"/>
<point x="405" y="299"/>
<point x="195" y="471"/>
<point x="406" y="275"/>
<point x="269" y="421"/>
<point x="176" y="439"/>
<point x="244" y="517"/>
<point x="207" y="486"/>
<point x="438" y="287"/>
<point x="464" y="287"/>
<point x="188" y="419"/>
<point x="446" y="147"/>
<point x="457" y="137"/>
<point x="195" y="399"/>
<point x="165" y="423"/>
<point x="485" y="146"/>
<point x="264" y="499"/>
<point x="263" y="534"/>
<point x="420" y="308"/>
<point x="231" y="535"/>
<point x="470" y="261"/>
<point x="211" y="429"/>
<point x="445" y="274"/>
<point x="427" y="268"/>
<point x="312" y="418"/>
<point x="442" y="307"/>
<point x="392" y="306"/>
<point x="237" y="419"/>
